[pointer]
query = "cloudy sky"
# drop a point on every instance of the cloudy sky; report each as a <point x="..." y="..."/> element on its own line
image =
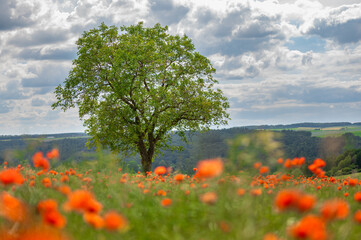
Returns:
<point x="278" y="61"/>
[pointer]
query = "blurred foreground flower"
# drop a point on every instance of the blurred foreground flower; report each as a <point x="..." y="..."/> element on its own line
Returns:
<point x="82" y="201"/>
<point x="115" y="221"/>
<point x="12" y="208"/>
<point x="11" y="176"/>
<point x="210" y="168"/>
<point x="40" y="161"/>
<point x="310" y="227"/>
<point x="160" y="170"/>
<point x="335" y="209"/>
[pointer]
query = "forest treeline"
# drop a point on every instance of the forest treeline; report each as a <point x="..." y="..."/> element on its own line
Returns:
<point x="342" y="153"/>
<point x="306" y="124"/>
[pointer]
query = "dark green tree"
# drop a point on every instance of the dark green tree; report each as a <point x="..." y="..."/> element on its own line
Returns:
<point x="136" y="86"/>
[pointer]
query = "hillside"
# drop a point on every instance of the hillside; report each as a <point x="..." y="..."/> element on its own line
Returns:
<point x="297" y="140"/>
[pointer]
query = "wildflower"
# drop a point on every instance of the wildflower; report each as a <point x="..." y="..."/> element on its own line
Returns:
<point x="115" y="221"/>
<point x="357" y="197"/>
<point x="166" y="202"/>
<point x="241" y="191"/>
<point x="357" y="216"/>
<point x="224" y="226"/>
<point x="64" y="178"/>
<point x="288" y="163"/>
<point x="40" y="232"/>
<point x="87" y="180"/>
<point x="12" y="208"/>
<point x="82" y="201"/>
<point x="41" y="162"/>
<point x="53" y="154"/>
<point x="257" y="165"/>
<point x="256" y="192"/>
<point x="64" y="189"/>
<point x="160" y="170"/>
<point x="210" y="168"/>
<point x="93" y="219"/>
<point x="263" y="170"/>
<point x="316" y="166"/>
<point x="11" y="176"/>
<point x="179" y="177"/>
<point x="209" y="198"/>
<point x="319" y="163"/>
<point x="301" y="161"/>
<point x="161" y="193"/>
<point x="46" y="182"/>
<point x="50" y="214"/>
<point x="47" y="205"/>
<point x="305" y="202"/>
<point x="31" y="183"/>
<point x="54" y="218"/>
<point x="93" y="206"/>
<point x="310" y="227"/>
<point x="270" y="236"/>
<point x="353" y="182"/>
<point x="334" y="209"/>
<point x="285" y="177"/>
<point x="286" y="199"/>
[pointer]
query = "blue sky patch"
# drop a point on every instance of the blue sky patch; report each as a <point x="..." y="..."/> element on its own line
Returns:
<point x="305" y="44"/>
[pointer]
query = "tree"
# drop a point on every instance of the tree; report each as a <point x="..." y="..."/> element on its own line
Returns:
<point x="135" y="87"/>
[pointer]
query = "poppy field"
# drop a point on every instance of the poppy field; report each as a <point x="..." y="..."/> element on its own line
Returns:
<point x="41" y="202"/>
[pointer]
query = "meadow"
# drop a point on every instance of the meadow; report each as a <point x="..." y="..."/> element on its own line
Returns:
<point x="104" y="202"/>
<point x="328" y="131"/>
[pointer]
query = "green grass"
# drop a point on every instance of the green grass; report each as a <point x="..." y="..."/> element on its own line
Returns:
<point x="328" y="132"/>
<point x="353" y="175"/>
<point x="357" y="133"/>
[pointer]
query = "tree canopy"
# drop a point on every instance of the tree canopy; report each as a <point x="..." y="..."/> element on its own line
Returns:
<point x="136" y="86"/>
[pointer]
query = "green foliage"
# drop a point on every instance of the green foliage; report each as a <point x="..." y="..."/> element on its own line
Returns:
<point x="136" y="86"/>
<point x="133" y="166"/>
<point x="261" y="145"/>
<point x="300" y="144"/>
<point x="348" y="162"/>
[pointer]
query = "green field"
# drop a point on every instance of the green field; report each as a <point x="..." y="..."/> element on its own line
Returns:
<point x="329" y="131"/>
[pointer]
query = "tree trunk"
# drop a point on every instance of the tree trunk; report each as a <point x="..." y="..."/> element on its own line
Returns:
<point x="147" y="153"/>
<point x="146" y="161"/>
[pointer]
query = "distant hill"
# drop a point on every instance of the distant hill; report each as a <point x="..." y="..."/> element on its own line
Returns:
<point x="213" y="143"/>
<point x="305" y="124"/>
<point x="251" y="127"/>
<point x="43" y="136"/>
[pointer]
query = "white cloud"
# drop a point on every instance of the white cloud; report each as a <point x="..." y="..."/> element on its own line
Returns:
<point x="259" y="49"/>
<point x="340" y="24"/>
